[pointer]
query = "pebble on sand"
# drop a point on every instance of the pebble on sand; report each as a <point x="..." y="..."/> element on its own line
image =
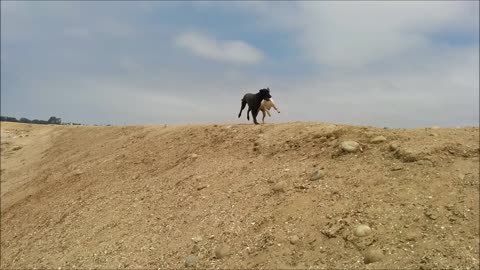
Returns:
<point x="197" y="239"/>
<point x="202" y="186"/>
<point x="190" y="261"/>
<point x="411" y="236"/>
<point x="378" y="139"/>
<point x="279" y="187"/>
<point x="222" y="251"/>
<point x="362" y="230"/>
<point x="394" y="146"/>
<point x="317" y="175"/>
<point x="349" y="146"/>
<point x="373" y="255"/>
<point x="195" y="249"/>
<point x="294" y="239"/>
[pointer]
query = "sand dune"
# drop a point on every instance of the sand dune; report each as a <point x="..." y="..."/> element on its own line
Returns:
<point x="238" y="196"/>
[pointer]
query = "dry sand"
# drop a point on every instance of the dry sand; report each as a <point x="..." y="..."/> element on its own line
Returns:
<point x="239" y="196"/>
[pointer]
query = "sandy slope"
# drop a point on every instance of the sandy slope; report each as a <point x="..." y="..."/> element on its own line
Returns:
<point x="149" y="196"/>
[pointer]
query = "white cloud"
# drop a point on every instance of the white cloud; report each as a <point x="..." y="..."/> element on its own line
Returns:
<point x="356" y="34"/>
<point x="348" y="34"/>
<point x="234" y="51"/>
<point x="443" y="92"/>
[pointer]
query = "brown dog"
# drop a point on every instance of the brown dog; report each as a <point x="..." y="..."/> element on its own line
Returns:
<point x="266" y="106"/>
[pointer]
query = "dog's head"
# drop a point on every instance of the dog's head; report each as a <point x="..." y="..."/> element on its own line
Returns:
<point x="265" y="93"/>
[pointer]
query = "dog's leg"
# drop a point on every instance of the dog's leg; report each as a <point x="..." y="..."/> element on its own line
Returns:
<point x="244" y="102"/>
<point x="263" y="118"/>
<point x="275" y="107"/>
<point x="248" y="113"/>
<point x="254" y="116"/>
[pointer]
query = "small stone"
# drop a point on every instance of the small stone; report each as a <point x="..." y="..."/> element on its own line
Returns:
<point x="431" y="214"/>
<point x="195" y="249"/>
<point x="378" y="139"/>
<point x="294" y="239"/>
<point x="433" y="134"/>
<point x="202" y="186"/>
<point x="191" y="261"/>
<point x="362" y="230"/>
<point x="319" y="174"/>
<point x="279" y="187"/>
<point x="397" y="168"/>
<point x="394" y="146"/>
<point x="349" y="146"/>
<point x="373" y="255"/>
<point x="411" y="236"/>
<point x="78" y="172"/>
<point x="194" y="156"/>
<point x="197" y="239"/>
<point x="222" y="251"/>
<point x="407" y="155"/>
<point x="303" y="187"/>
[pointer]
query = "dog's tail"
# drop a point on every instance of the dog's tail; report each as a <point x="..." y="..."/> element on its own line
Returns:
<point x="244" y="102"/>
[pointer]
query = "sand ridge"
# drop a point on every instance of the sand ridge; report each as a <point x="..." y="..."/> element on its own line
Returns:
<point x="176" y="196"/>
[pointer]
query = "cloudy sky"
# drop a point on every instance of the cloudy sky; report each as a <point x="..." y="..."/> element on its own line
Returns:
<point x="378" y="63"/>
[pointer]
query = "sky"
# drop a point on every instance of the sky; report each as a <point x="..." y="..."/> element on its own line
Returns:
<point x="402" y="64"/>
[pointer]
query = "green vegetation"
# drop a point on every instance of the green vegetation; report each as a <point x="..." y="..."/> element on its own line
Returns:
<point x="52" y="120"/>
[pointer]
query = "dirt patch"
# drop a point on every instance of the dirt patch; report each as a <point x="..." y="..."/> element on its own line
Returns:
<point x="170" y="197"/>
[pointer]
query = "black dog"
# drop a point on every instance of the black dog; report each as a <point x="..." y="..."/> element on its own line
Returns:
<point x="254" y="101"/>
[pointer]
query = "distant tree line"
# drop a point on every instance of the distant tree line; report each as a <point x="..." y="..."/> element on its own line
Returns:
<point x="52" y="120"/>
